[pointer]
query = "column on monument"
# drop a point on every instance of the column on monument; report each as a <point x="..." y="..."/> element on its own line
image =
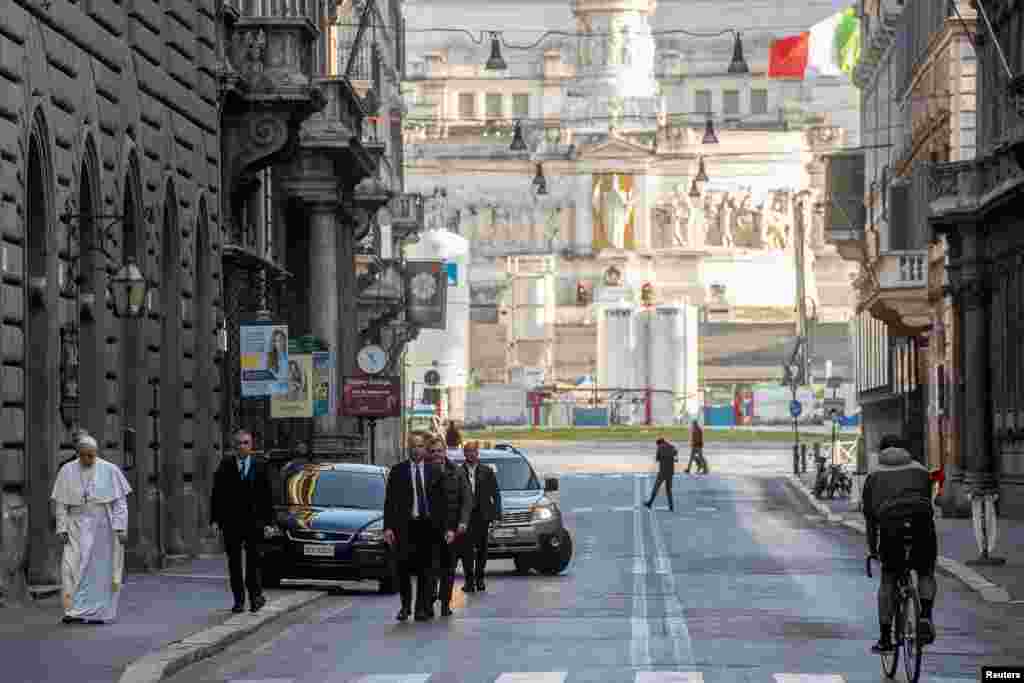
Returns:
<point x="975" y="416"/>
<point x="583" y="236"/>
<point x="642" y="213"/>
<point x="324" y="304"/>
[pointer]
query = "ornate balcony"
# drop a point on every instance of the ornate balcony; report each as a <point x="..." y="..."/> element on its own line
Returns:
<point x="407" y="215"/>
<point x="961" y="190"/>
<point x="900" y="296"/>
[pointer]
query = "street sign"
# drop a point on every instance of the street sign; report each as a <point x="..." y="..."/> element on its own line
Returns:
<point x="374" y="397"/>
<point x="432" y="378"/>
<point x="795" y="408"/>
<point x="834" y="407"/>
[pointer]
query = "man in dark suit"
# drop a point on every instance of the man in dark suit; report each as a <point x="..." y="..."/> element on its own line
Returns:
<point x="666" y="457"/>
<point x="485" y="511"/>
<point x="409" y="511"/>
<point x="242" y="507"/>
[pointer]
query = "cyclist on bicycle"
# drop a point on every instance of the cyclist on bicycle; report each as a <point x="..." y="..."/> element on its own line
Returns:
<point x="899" y="491"/>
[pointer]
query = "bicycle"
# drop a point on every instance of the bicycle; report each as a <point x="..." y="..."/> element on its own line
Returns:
<point x="906" y="623"/>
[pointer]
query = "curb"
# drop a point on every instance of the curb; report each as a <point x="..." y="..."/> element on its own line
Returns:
<point x="175" y="656"/>
<point x="990" y="592"/>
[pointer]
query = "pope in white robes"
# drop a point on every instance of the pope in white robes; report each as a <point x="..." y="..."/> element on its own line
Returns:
<point x="92" y="520"/>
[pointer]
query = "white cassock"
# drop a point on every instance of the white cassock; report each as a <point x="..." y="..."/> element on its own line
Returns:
<point x="91" y="505"/>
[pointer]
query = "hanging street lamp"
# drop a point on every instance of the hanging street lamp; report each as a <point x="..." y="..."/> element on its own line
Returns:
<point x="709" y="133"/>
<point x="738" y="64"/>
<point x="496" y="62"/>
<point x="128" y="289"/>
<point x="702" y="176"/>
<point x="694" y="190"/>
<point x="518" y="143"/>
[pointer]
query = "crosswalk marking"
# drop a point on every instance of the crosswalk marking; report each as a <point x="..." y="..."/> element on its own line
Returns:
<point x="809" y="678"/>
<point x="532" y="677"/>
<point x="669" y="677"/>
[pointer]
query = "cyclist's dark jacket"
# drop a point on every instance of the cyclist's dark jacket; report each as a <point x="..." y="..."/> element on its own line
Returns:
<point x="898" y="479"/>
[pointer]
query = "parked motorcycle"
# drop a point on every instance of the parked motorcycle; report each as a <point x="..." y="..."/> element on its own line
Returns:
<point x="840" y="481"/>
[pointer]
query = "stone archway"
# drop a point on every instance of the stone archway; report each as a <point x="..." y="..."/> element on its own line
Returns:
<point x="172" y="471"/>
<point x="90" y="271"/>
<point x="205" y="431"/>
<point x="40" y="369"/>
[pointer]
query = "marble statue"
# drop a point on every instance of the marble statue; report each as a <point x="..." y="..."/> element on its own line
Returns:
<point x="616" y="206"/>
<point x="682" y="211"/>
<point x="743" y="222"/>
<point x="726" y="211"/>
<point x="777" y="219"/>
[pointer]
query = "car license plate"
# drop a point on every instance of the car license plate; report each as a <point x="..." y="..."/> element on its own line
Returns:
<point x="319" y="550"/>
<point x="504" y="533"/>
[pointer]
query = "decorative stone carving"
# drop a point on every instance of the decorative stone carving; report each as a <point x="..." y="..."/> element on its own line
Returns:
<point x="777" y="220"/>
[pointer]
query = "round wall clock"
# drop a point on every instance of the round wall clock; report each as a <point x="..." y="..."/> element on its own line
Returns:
<point x="372" y="359"/>
<point x="423" y="287"/>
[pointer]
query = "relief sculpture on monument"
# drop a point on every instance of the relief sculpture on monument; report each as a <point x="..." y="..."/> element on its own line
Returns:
<point x="614" y="210"/>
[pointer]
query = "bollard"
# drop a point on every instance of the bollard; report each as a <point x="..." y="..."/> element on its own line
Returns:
<point x="796" y="459"/>
<point x="803" y="458"/>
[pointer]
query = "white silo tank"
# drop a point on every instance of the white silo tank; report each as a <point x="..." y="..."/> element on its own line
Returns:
<point x="642" y="358"/>
<point x="446" y="351"/>
<point x="615" y="365"/>
<point x="691" y="326"/>
<point x="667" y="344"/>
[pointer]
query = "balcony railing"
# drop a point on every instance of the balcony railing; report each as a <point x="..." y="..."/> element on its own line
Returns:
<point x="903" y="269"/>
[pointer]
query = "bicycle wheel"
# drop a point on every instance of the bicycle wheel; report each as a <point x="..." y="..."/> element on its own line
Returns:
<point x="891" y="660"/>
<point x="912" y="649"/>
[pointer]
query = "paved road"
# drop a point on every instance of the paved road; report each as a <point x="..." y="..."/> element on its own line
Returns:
<point x="740" y="584"/>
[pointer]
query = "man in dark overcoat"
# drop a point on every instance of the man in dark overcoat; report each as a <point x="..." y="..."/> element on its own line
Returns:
<point x="486" y="510"/>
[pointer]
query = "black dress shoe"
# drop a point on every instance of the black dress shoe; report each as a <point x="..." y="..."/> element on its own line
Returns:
<point x="238" y="607"/>
<point x="257" y="603"/>
<point x="430" y="612"/>
<point x="72" y="620"/>
<point x="403" y="614"/>
<point x="469" y="588"/>
<point x="481" y="586"/>
<point x="446" y="611"/>
<point x="422" y="616"/>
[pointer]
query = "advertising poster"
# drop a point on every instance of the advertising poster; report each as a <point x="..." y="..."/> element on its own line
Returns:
<point x="452" y="268"/>
<point x="298" y="401"/>
<point x="324" y="396"/>
<point x="264" y="359"/>
<point x="375" y="397"/>
<point x="426" y="291"/>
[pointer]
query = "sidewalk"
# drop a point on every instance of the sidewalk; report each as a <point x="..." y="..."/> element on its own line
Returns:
<point x="957" y="545"/>
<point x="156" y="610"/>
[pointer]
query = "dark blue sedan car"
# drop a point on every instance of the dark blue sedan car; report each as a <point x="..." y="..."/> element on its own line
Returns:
<point x="330" y="525"/>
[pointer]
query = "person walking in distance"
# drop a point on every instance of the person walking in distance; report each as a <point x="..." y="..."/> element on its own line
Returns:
<point x="243" y="510"/>
<point x="92" y="520"/>
<point x="486" y="510"/>
<point x="455" y="498"/>
<point x="666" y="457"/>
<point x="408" y="529"/>
<point x="697" y="449"/>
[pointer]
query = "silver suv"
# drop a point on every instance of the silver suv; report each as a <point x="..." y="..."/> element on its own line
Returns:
<point x="530" y="531"/>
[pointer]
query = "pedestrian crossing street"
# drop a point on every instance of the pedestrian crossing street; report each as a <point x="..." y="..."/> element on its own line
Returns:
<point x="568" y="677"/>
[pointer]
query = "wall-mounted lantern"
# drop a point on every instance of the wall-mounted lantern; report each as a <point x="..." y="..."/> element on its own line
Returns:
<point x="69" y="395"/>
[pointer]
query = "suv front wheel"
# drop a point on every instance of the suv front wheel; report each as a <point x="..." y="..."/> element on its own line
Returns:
<point x="557" y="561"/>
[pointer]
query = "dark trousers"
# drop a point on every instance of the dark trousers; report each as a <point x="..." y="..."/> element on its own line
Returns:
<point x="474" y="550"/>
<point x="447" y="559"/>
<point x="697" y="455"/>
<point x="666" y="478"/>
<point x="418" y="559"/>
<point x="233" y="544"/>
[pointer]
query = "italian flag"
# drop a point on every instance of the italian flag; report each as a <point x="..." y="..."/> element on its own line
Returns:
<point x="830" y="48"/>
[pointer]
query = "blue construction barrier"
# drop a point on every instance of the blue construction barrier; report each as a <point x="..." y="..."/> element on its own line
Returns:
<point x="590" y="417"/>
<point x="719" y="416"/>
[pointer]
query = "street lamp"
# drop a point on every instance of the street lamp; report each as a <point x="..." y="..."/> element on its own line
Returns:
<point x="540" y="184"/>
<point x="702" y="174"/>
<point x="518" y="143"/>
<point x="738" y="64"/>
<point x="709" y="133"/>
<point x="128" y="289"/>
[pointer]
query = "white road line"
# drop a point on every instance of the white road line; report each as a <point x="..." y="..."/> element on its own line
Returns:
<point x="582" y="510"/>
<point x="809" y="678"/>
<point x="640" y="645"/>
<point x="532" y="677"/>
<point x="626" y="508"/>
<point x="669" y="677"/>
<point x="707" y="509"/>
<point x="675" y="618"/>
<point x="393" y="678"/>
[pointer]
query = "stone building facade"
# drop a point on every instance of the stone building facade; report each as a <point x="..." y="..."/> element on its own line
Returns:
<point x="178" y="134"/>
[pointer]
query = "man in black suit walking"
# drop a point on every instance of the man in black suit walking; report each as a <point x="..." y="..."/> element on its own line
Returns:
<point x="409" y="527"/>
<point x="486" y="510"/>
<point x="242" y="507"/>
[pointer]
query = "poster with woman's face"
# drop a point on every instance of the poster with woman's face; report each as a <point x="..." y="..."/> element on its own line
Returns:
<point x="298" y="400"/>
<point x="264" y="357"/>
